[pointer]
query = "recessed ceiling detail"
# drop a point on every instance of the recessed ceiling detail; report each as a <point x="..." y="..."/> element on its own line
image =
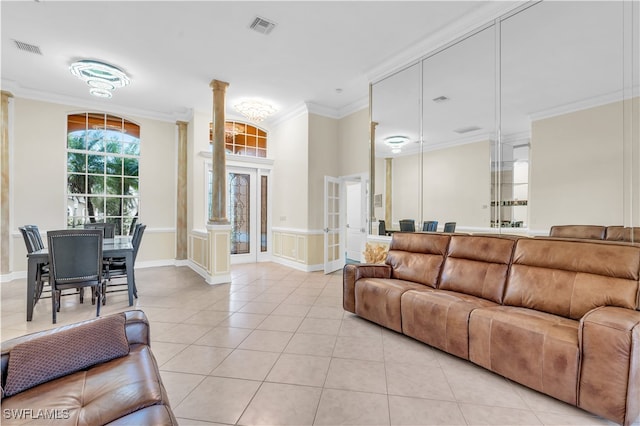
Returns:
<point x="27" y="47"/>
<point x="254" y="109"/>
<point x="261" y="25"/>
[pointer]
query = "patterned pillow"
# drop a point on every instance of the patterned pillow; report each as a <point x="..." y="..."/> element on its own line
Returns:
<point x="55" y="355"/>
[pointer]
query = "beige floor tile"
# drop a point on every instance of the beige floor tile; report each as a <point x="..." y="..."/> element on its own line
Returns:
<point x="179" y="385"/>
<point x="192" y="422"/>
<point x="259" y="307"/>
<point x="183" y="333"/>
<point x="164" y="351"/>
<point x="400" y="348"/>
<point x="354" y="326"/>
<point x="491" y="415"/>
<point x="218" y="399"/>
<point x="339" y="407"/>
<point x="553" y="419"/>
<point x="292" y="310"/>
<point x="196" y="360"/>
<point x="300" y="370"/>
<point x="280" y="323"/>
<point x="242" y="320"/>
<point x="224" y="337"/>
<point x="416" y="411"/>
<point x="266" y="340"/>
<point x="409" y="380"/>
<point x="242" y="364"/>
<point x="328" y="312"/>
<point x="320" y="326"/>
<point x="367" y="348"/>
<point x="280" y="404"/>
<point x="209" y="318"/>
<point x="227" y="305"/>
<point x="311" y="344"/>
<point x="356" y="375"/>
<point x="296" y="299"/>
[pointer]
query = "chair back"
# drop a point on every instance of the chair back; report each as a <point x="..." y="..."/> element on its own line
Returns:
<point x="450" y="227"/>
<point x="75" y="255"/>
<point x="407" y="225"/>
<point x="137" y="238"/>
<point x="430" y="226"/>
<point x="382" y="227"/>
<point x="109" y="229"/>
<point x="28" y="240"/>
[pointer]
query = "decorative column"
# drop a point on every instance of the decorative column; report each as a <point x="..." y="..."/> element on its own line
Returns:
<point x="5" y="221"/>
<point x="218" y="226"/>
<point x="181" y="213"/>
<point x="388" y="190"/>
<point x="372" y="168"/>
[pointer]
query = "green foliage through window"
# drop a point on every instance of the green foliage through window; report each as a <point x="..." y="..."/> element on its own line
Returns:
<point x="103" y="153"/>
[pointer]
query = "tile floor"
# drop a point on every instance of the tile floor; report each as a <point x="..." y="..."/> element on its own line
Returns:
<point x="275" y="347"/>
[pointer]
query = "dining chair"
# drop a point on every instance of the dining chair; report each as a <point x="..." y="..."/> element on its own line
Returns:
<point x="75" y="261"/>
<point x="430" y="226"/>
<point x="32" y="244"/>
<point x="117" y="267"/>
<point x="449" y="227"/>
<point x="109" y="229"/>
<point x="382" y="228"/>
<point x="407" y="225"/>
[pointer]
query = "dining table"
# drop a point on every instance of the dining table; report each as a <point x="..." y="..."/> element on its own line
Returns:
<point x="111" y="247"/>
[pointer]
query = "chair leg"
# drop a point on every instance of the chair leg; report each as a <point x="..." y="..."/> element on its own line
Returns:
<point x="58" y="295"/>
<point x="104" y="292"/>
<point x="54" y="308"/>
<point x="81" y="291"/>
<point x="98" y="291"/>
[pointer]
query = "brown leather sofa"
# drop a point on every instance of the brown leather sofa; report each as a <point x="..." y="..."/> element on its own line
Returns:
<point x="596" y="232"/>
<point x="94" y="372"/>
<point x="559" y="316"/>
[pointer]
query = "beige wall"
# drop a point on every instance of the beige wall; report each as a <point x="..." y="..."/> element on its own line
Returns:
<point x="38" y="177"/>
<point x="323" y="161"/>
<point x="457" y="185"/>
<point x="576" y="173"/>
<point x="198" y="142"/>
<point x="288" y="145"/>
<point x="353" y="143"/>
<point x="405" y="194"/>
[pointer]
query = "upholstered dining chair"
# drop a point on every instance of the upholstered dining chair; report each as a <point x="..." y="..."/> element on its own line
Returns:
<point x="430" y="226"/>
<point x="32" y="244"/>
<point x="109" y="229"/>
<point x="117" y="266"/>
<point x="382" y="228"/>
<point x="407" y="225"/>
<point x="75" y="261"/>
<point x="449" y="227"/>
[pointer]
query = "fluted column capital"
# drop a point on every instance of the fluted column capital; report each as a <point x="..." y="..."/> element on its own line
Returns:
<point x="218" y="85"/>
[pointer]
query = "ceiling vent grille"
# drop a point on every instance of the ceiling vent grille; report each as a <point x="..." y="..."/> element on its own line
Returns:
<point x="463" y="130"/>
<point x="27" y="47"/>
<point x="262" y="25"/>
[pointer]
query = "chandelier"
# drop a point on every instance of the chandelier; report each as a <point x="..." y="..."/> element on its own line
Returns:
<point x="101" y="77"/>
<point x="255" y="110"/>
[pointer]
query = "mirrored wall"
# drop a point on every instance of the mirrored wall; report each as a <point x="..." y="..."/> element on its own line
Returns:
<point x="528" y="122"/>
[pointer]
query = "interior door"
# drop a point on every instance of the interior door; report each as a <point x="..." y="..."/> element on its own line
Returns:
<point x="333" y="246"/>
<point x="242" y="214"/>
<point x="355" y="226"/>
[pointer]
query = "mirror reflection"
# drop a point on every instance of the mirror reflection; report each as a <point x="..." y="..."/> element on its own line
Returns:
<point x="518" y="132"/>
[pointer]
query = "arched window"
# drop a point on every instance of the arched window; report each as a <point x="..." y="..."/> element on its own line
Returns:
<point x="103" y="153"/>
<point x="243" y="139"/>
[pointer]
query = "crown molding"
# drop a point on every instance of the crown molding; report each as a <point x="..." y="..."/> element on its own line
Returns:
<point x="36" y="95"/>
<point x="295" y="112"/>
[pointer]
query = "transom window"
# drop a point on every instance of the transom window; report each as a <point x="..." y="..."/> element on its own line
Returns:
<point x="243" y="139"/>
<point x="103" y="153"/>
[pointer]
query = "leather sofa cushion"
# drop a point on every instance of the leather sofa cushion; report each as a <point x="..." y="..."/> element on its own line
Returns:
<point x="417" y="257"/>
<point x="591" y="232"/>
<point x="440" y="318"/>
<point x="621" y="233"/>
<point x="570" y="278"/>
<point x="478" y="266"/>
<point x="101" y="394"/>
<point x="51" y="356"/>
<point x="534" y="348"/>
<point x="378" y="300"/>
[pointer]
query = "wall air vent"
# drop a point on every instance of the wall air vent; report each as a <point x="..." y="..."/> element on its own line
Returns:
<point x="262" y="25"/>
<point x="27" y="47"/>
<point x="468" y="129"/>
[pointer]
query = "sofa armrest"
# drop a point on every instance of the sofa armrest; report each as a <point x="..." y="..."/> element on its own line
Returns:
<point x="136" y="328"/>
<point x="352" y="273"/>
<point x="609" y="339"/>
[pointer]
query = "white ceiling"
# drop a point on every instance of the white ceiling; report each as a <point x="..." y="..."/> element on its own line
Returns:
<point x="173" y="49"/>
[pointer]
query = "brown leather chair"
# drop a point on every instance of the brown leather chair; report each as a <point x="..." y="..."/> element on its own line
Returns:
<point x="589" y="232"/>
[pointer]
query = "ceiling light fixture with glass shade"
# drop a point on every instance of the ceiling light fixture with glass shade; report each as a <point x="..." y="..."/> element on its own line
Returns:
<point x="101" y="77"/>
<point x="396" y="143"/>
<point x="255" y="110"/>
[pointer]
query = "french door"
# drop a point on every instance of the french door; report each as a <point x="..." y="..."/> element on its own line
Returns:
<point x="247" y="211"/>
<point x="333" y="244"/>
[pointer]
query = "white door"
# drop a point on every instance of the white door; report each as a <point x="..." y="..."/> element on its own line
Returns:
<point x="333" y="246"/>
<point x="356" y="232"/>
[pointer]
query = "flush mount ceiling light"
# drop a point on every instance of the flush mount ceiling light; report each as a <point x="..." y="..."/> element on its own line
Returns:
<point x="255" y="110"/>
<point x="396" y="143"/>
<point x="101" y="77"/>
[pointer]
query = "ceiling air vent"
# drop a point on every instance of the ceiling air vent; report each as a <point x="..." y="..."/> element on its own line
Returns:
<point x="440" y="99"/>
<point x="468" y="129"/>
<point x="27" y="47"/>
<point x="262" y="25"/>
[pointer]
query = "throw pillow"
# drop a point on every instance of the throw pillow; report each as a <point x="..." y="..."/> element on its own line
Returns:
<point x="61" y="353"/>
